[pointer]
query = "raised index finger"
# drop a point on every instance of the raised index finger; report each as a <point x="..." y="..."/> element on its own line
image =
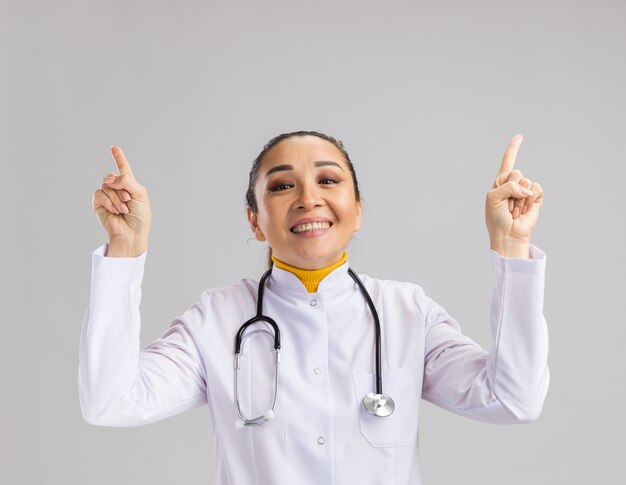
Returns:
<point x="508" y="161"/>
<point x="122" y="164"/>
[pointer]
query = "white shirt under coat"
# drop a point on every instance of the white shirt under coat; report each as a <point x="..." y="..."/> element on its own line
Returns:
<point x="321" y="433"/>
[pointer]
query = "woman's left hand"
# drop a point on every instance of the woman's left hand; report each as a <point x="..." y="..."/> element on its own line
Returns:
<point x="511" y="212"/>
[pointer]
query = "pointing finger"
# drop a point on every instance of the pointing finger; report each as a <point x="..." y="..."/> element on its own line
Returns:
<point x="508" y="161"/>
<point x="122" y="164"/>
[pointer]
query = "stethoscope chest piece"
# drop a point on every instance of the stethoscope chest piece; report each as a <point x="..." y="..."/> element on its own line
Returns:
<point x="378" y="404"/>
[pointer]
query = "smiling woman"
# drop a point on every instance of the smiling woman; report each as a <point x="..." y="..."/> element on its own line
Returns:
<point x="303" y="199"/>
<point x="327" y="342"/>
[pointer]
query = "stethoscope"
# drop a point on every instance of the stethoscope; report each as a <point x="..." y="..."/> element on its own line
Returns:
<point x="376" y="403"/>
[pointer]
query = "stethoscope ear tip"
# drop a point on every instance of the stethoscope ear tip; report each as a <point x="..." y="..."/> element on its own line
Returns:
<point x="239" y="424"/>
<point x="269" y="414"/>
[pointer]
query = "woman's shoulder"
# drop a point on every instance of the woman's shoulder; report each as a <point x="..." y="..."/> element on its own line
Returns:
<point x="236" y="296"/>
<point x="389" y="286"/>
<point x="405" y="297"/>
<point x="241" y="288"/>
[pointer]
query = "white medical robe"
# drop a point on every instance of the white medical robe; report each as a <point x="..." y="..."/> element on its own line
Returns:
<point x="321" y="433"/>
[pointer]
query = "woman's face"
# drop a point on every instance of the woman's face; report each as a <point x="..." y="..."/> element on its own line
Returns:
<point x="307" y="207"/>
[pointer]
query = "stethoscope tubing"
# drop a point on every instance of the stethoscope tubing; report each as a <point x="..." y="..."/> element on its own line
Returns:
<point x="259" y="419"/>
<point x="370" y="303"/>
<point x="259" y="317"/>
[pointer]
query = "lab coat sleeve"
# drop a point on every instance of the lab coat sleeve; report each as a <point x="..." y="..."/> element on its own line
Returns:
<point x="119" y="385"/>
<point x="509" y="383"/>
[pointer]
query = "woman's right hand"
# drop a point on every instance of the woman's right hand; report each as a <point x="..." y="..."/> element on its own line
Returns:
<point x="123" y="207"/>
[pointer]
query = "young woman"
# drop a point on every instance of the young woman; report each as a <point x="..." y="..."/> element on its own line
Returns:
<point x="340" y="403"/>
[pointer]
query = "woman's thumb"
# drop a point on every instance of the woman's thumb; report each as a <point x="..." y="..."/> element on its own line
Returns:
<point x="511" y="189"/>
<point x="125" y="182"/>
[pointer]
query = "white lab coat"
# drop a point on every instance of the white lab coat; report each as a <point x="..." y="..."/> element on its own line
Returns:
<point x="321" y="433"/>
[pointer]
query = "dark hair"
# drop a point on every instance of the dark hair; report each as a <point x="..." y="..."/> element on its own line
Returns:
<point x="251" y="201"/>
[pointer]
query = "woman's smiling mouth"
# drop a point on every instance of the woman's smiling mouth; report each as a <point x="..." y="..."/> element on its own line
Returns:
<point x="310" y="227"/>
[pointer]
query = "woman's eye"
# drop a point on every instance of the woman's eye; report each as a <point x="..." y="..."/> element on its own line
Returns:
<point x="279" y="187"/>
<point x="328" y="181"/>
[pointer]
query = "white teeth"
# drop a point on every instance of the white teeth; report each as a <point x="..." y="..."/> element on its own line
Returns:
<point x="313" y="226"/>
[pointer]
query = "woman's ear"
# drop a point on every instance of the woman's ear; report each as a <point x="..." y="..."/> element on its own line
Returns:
<point x="254" y="225"/>
<point x="359" y="210"/>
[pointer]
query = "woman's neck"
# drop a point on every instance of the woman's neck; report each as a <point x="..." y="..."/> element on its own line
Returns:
<point x="310" y="278"/>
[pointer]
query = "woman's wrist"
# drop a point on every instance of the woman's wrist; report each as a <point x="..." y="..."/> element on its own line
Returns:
<point x="123" y="248"/>
<point x="511" y="247"/>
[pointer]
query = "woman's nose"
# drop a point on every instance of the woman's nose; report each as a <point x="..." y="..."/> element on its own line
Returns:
<point x="309" y="197"/>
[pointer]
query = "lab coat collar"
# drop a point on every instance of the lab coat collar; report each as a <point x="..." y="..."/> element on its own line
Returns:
<point x="335" y="281"/>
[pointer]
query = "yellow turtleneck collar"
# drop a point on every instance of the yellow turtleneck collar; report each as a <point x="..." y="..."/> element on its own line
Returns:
<point x="310" y="278"/>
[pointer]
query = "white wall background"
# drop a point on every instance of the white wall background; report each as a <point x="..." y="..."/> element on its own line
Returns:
<point x="424" y="94"/>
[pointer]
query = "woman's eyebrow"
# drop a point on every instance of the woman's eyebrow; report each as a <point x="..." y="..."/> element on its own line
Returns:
<point x="278" y="168"/>
<point x="321" y="163"/>
<point x="324" y="163"/>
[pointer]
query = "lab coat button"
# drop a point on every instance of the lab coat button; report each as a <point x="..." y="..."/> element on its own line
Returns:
<point x="321" y="440"/>
<point x="313" y="302"/>
<point x="317" y="370"/>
